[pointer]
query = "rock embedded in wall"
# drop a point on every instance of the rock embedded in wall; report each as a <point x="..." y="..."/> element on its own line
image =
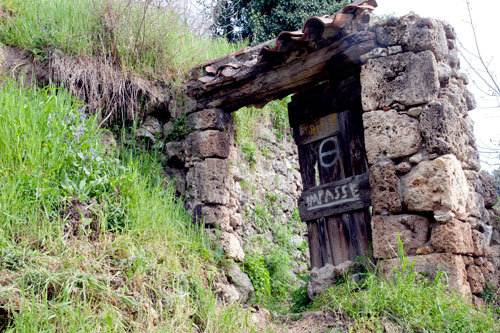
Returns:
<point x="385" y="189"/>
<point x="479" y="244"/>
<point x="432" y="264"/>
<point x="476" y="279"/>
<point x="435" y="185"/>
<point x="426" y="34"/>
<point x="489" y="190"/>
<point x="406" y="78"/>
<point x="208" y="181"/>
<point x="242" y="282"/>
<point x="412" y="230"/>
<point x="445" y="131"/>
<point x="210" y="143"/>
<point x="232" y="246"/>
<point x="475" y="206"/>
<point x="452" y="237"/>
<point x="216" y="215"/>
<point x="389" y="134"/>
<point x="214" y="119"/>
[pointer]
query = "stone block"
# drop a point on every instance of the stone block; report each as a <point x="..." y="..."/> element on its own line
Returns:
<point x="394" y="49"/>
<point x="483" y="184"/>
<point x="475" y="205"/>
<point x="446" y="131"/>
<point x="208" y="181"/>
<point x="478" y="242"/>
<point x="470" y="100"/>
<point x="415" y="112"/>
<point x="476" y="279"/>
<point x="427" y="34"/>
<point x="403" y="167"/>
<point x="444" y="71"/>
<point x="434" y="185"/>
<point x="216" y="216"/>
<point x="384" y="186"/>
<point x="432" y="264"/>
<point x="375" y="53"/>
<point x="174" y="149"/>
<point x="390" y="134"/>
<point x="209" y="143"/>
<point x="242" y="282"/>
<point x="231" y="245"/>
<point x="455" y="96"/>
<point x="452" y="237"/>
<point x="411" y="229"/>
<point x="489" y="192"/>
<point x="390" y="32"/>
<point x="405" y="78"/>
<point x="326" y="276"/>
<point x="210" y="119"/>
<point x="236" y="221"/>
<point x="449" y="30"/>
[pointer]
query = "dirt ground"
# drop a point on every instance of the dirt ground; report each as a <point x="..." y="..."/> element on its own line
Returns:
<point x="14" y="60"/>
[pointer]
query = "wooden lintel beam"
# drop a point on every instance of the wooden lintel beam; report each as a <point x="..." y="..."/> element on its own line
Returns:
<point x="261" y="85"/>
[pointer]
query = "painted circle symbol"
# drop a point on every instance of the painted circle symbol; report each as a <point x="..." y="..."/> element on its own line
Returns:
<point x="325" y="156"/>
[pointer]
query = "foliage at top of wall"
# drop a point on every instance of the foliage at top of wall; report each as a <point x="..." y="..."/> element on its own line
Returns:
<point x="262" y="20"/>
<point x="138" y="36"/>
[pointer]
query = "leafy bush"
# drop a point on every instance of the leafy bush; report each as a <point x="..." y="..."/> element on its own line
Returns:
<point x="259" y="275"/>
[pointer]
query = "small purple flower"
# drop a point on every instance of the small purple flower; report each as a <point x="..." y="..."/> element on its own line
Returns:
<point x="44" y="31"/>
<point x="82" y="114"/>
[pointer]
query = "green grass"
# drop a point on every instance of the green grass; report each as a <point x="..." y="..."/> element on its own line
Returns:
<point x="137" y="36"/>
<point x="90" y="239"/>
<point x="408" y="302"/>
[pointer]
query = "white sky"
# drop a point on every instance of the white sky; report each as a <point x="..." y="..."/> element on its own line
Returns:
<point x="487" y="23"/>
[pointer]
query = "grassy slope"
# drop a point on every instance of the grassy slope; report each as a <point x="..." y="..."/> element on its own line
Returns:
<point x="69" y="272"/>
<point x="138" y="37"/>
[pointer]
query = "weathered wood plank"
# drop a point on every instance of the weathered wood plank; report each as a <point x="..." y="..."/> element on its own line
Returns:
<point x="351" y="139"/>
<point x="320" y="161"/>
<point x="338" y="240"/>
<point x="335" y="198"/>
<point x="330" y="97"/>
<point x="263" y="84"/>
<point x="361" y="219"/>
<point x="324" y="242"/>
<point x="318" y="129"/>
<point x="314" y="245"/>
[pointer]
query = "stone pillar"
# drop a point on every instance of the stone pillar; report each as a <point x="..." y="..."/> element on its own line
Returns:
<point x="424" y="164"/>
<point x="206" y="151"/>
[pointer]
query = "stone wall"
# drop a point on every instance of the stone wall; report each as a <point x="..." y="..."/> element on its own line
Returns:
<point x="424" y="165"/>
<point x="426" y="187"/>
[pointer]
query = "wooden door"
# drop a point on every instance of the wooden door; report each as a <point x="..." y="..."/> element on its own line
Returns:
<point x="336" y="194"/>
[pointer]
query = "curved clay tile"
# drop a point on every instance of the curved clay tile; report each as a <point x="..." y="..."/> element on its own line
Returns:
<point x="316" y="33"/>
<point x="314" y="27"/>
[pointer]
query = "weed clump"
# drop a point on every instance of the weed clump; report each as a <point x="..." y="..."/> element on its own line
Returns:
<point x="259" y="275"/>
<point x="93" y="238"/>
<point x="408" y="301"/>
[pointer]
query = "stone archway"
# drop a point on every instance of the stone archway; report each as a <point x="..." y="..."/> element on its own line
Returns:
<point x="423" y="163"/>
